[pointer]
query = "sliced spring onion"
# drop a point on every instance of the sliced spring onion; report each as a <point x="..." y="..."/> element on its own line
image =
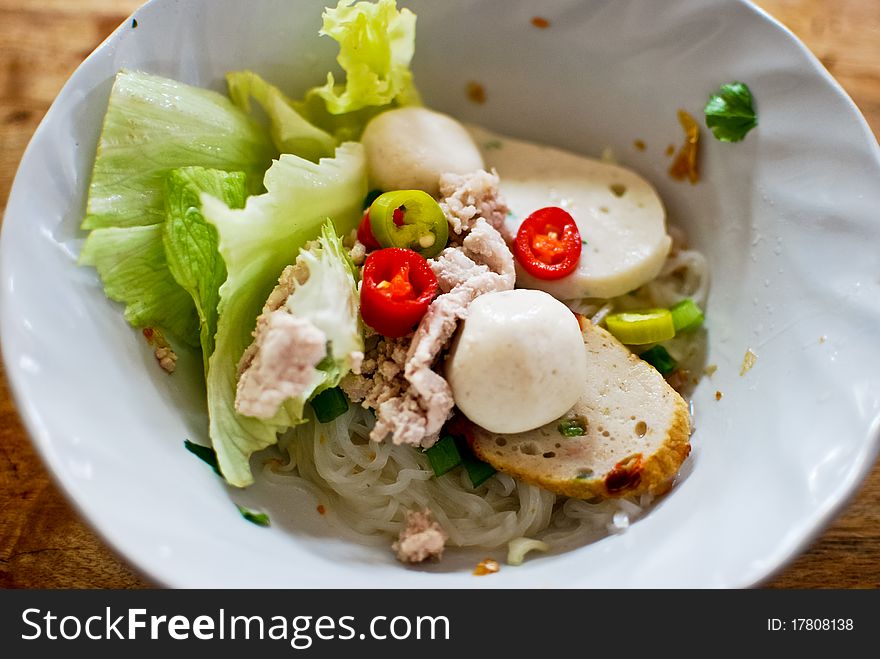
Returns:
<point x="329" y="404"/>
<point x="205" y="454"/>
<point x="571" y="428"/>
<point x="449" y="452"/>
<point x="444" y="455"/>
<point x="260" y="519"/>
<point x="686" y="315"/>
<point x="659" y="358"/>
<point x="477" y="470"/>
<point x="641" y="327"/>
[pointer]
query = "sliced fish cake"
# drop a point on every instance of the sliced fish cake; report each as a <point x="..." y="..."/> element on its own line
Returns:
<point x="618" y="214"/>
<point x="636" y="432"/>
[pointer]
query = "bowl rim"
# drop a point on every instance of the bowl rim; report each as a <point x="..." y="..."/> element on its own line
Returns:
<point x="41" y="436"/>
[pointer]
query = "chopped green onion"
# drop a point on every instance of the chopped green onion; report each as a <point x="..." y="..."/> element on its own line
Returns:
<point x="571" y="428"/>
<point x="686" y="315"/>
<point x="659" y="358"/>
<point x="641" y="327"/>
<point x="329" y="404"/>
<point x="260" y="519"/>
<point x="205" y="454"/>
<point x="450" y="452"/>
<point x="477" y="470"/>
<point x="444" y="455"/>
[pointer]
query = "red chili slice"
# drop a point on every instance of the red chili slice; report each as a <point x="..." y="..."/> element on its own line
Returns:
<point x="548" y="244"/>
<point x="365" y="230"/>
<point x="365" y="233"/>
<point x="396" y="290"/>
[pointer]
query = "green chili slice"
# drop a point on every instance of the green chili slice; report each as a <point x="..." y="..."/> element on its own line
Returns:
<point x="641" y="327"/>
<point x="411" y="219"/>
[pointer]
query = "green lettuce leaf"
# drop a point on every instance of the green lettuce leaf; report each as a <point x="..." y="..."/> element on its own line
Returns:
<point x="131" y="262"/>
<point x="290" y="132"/>
<point x="344" y="127"/>
<point x="329" y="300"/>
<point x="256" y="243"/>
<point x="376" y="46"/>
<point x="154" y="125"/>
<point x="191" y="243"/>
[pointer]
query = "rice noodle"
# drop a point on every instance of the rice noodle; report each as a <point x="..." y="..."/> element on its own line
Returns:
<point x="370" y="486"/>
<point x="685" y="274"/>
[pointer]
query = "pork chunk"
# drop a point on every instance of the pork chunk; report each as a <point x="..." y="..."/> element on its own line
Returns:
<point x="465" y="198"/>
<point x="421" y="538"/>
<point x="281" y="361"/>
<point x="282" y="364"/>
<point x="381" y="373"/>
<point x="482" y="264"/>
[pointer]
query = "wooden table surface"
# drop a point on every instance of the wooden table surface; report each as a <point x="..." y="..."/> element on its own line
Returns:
<point x="45" y="544"/>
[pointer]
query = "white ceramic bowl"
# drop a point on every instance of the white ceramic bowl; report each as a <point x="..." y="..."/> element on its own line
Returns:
<point x="787" y="218"/>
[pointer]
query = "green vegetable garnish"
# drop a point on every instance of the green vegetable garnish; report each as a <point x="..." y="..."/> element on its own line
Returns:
<point x="260" y="519"/>
<point x="376" y="45"/>
<point x="205" y="454"/>
<point x="659" y="358"/>
<point x="443" y="455"/>
<point x="132" y="265"/>
<point x="477" y="470"/>
<point x="191" y="243"/>
<point x="730" y="113"/>
<point x="411" y="219"/>
<point x="686" y="315"/>
<point x="329" y="404"/>
<point x="257" y="242"/>
<point x="641" y="327"/>
<point x="154" y="125"/>
<point x="449" y="452"/>
<point x="290" y="131"/>
<point x="571" y="428"/>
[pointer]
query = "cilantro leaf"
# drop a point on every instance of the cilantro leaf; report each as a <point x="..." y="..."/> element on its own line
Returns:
<point x="730" y="113"/>
<point x="260" y="519"/>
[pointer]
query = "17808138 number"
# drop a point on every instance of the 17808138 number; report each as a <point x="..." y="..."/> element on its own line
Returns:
<point x="810" y="624"/>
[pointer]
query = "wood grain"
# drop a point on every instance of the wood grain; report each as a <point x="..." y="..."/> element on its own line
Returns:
<point x="43" y="541"/>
